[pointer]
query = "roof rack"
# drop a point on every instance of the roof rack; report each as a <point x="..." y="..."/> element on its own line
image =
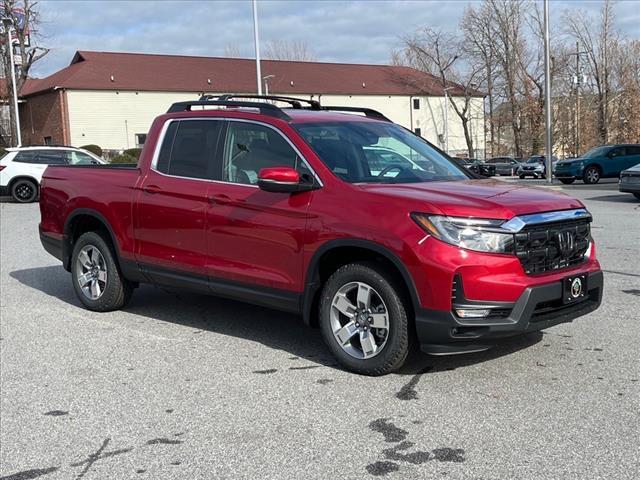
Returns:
<point x="368" y="112"/>
<point x="230" y="100"/>
<point x="263" y="107"/>
<point x="294" y="102"/>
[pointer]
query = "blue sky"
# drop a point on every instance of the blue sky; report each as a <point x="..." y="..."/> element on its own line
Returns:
<point x="356" y="31"/>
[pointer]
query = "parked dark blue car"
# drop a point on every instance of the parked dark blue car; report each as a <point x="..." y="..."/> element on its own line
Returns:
<point x="600" y="162"/>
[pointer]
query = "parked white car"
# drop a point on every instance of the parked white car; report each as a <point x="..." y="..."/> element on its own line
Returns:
<point x="21" y="168"/>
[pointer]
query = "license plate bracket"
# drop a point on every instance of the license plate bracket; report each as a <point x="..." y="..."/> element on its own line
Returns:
<point x="574" y="288"/>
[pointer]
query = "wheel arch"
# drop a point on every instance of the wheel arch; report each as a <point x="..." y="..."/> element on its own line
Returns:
<point x="17" y="178"/>
<point x="335" y="253"/>
<point x="80" y="221"/>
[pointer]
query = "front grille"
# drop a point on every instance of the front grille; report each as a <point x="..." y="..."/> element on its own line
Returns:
<point x="552" y="246"/>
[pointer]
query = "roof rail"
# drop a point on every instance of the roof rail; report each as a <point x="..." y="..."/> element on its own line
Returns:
<point x="263" y="107"/>
<point x="368" y="112"/>
<point x="294" y="102"/>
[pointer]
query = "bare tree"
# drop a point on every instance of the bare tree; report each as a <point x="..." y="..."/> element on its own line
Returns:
<point x="441" y="55"/>
<point x="23" y="19"/>
<point x="231" y="51"/>
<point x="598" y="41"/>
<point x="289" y="50"/>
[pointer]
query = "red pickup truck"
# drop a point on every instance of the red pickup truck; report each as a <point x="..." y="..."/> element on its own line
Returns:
<point x="362" y="227"/>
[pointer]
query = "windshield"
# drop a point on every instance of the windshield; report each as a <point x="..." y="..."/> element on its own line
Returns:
<point x="596" y="152"/>
<point x="535" y="160"/>
<point x="376" y="152"/>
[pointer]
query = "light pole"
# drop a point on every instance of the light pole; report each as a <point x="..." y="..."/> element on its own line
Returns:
<point x="7" y="24"/>
<point x="446" y="119"/>
<point x="266" y="83"/>
<point x="547" y="93"/>
<point x="256" y="38"/>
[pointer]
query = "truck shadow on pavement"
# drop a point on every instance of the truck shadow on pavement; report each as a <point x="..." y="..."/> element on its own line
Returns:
<point x="274" y="329"/>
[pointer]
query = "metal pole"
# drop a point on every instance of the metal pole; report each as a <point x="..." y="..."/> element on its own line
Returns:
<point x="256" y="37"/>
<point x="547" y="92"/>
<point x="578" y="83"/>
<point x="446" y="121"/>
<point x="13" y="84"/>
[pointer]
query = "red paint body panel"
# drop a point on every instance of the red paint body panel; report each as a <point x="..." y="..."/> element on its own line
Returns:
<point x="242" y="234"/>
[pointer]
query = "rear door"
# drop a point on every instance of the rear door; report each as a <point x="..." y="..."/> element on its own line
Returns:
<point x="172" y="203"/>
<point x="614" y="162"/>
<point x="255" y="238"/>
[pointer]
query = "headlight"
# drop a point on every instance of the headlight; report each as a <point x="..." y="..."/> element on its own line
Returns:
<point x="469" y="233"/>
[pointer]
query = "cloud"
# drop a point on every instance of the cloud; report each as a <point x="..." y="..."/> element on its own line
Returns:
<point x="357" y="31"/>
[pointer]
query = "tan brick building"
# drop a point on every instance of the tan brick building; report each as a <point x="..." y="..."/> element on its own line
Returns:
<point x="110" y="99"/>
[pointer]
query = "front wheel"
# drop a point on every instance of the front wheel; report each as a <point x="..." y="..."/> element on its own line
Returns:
<point x="363" y="319"/>
<point x="96" y="277"/>
<point x="24" y="191"/>
<point x="521" y="177"/>
<point x="637" y="195"/>
<point x="567" y="181"/>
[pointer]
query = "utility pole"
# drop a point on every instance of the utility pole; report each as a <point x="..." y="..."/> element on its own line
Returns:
<point x="578" y="80"/>
<point x="446" y="119"/>
<point x="547" y="94"/>
<point x="7" y="25"/>
<point x="256" y="38"/>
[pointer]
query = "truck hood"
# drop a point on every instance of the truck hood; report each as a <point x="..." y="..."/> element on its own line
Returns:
<point x="476" y="198"/>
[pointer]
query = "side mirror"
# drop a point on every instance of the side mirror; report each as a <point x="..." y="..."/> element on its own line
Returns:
<point x="282" y="180"/>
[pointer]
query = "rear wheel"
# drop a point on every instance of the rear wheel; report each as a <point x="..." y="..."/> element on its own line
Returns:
<point x="591" y="175"/>
<point x="24" y="191"/>
<point x="363" y="319"/>
<point x="97" y="280"/>
<point x="567" y="181"/>
<point x="521" y="177"/>
<point x="637" y="195"/>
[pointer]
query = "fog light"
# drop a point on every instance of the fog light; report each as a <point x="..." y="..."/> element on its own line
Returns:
<point x="472" y="313"/>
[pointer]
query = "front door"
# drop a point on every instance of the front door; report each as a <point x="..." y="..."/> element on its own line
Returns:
<point x="172" y="204"/>
<point x="255" y="238"/>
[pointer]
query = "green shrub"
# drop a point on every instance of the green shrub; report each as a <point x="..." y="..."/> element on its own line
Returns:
<point x="95" y="149"/>
<point x="124" y="159"/>
<point x="133" y="152"/>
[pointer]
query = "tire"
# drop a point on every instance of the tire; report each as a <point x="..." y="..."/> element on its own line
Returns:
<point x="521" y="177"/>
<point x="24" y="191"/>
<point x="637" y="195"/>
<point x="567" y="181"/>
<point x="591" y="175"/>
<point x="113" y="290"/>
<point x="392" y="341"/>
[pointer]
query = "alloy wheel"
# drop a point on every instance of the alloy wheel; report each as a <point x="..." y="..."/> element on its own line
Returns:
<point x="24" y="191"/>
<point x="593" y="175"/>
<point x="91" y="272"/>
<point x="359" y="320"/>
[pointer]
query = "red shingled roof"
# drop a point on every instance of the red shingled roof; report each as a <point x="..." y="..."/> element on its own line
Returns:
<point x="175" y="73"/>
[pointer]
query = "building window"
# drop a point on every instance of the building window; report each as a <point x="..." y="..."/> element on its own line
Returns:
<point x="140" y="139"/>
<point x="416" y="104"/>
<point x="418" y="131"/>
<point x="48" y="141"/>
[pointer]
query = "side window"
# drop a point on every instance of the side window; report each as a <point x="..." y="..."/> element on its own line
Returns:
<point x="189" y="149"/>
<point x="54" y="157"/>
<point x="251" y="147"/>
<point x="633" y="150"/>
<point x="79" y="158"/>
<point x="26" y="157"/>
<point x="617" y="152"/>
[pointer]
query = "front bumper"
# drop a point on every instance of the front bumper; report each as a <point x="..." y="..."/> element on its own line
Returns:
<point x="538" y="307"/>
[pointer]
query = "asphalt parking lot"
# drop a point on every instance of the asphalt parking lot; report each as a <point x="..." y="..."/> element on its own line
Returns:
<point x="191" y="387"/>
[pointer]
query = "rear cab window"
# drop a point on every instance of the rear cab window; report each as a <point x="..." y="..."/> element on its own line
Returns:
<point x="189" y="149"/>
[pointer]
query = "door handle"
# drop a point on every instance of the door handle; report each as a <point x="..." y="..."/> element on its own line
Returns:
<point x="221" y="199"/>
<point x="151" y="189"/>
